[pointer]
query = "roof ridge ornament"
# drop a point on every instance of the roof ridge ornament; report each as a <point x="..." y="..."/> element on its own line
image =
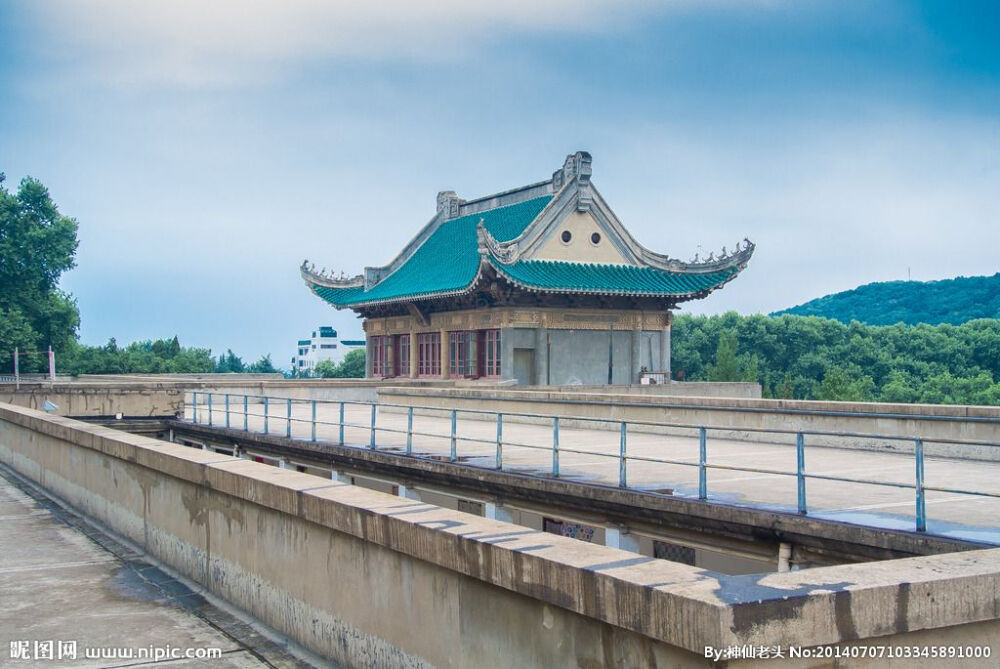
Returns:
<point x="327" y="279"/>
<point x="505" y="252"/>
<point x="449" y="204"/>
<point x="577" y="165"/>
<point x="738" y="257"/>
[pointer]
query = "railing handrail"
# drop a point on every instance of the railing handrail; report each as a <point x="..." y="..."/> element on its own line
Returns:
<point x="622" y="456"/>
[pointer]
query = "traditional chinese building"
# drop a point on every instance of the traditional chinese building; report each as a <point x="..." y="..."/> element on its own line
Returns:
<point x="540" y="284"/>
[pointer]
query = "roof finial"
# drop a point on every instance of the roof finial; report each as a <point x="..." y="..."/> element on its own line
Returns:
<point x="448" y="204"/>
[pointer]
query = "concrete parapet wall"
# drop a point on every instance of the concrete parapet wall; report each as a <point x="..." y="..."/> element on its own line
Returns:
<point x="837" y="424"/>
<point x="674" y="389"/>
<point x="74" y="399"/>
<point x="369" y="579"/>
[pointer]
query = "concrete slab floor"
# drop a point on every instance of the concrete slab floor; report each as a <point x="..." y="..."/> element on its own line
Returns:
<point x="949" y="514"/>
<point x="64" y="581"/>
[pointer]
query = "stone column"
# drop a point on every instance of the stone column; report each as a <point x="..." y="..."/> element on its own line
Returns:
<point x="618" y="536"/>
<point x="665" y="345"/>
<point x="497" y="511"/>
<point x="414" y="356"/>
<point x="636" y="354"/>
<point x="445" y="357"/>
<point x="542" y="356"/>
<point x="409" y="493"/>
<point x="368" y="357"/>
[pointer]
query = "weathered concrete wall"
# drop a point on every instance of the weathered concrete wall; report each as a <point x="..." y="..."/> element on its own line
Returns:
<point x="733" y="418"/>
<point x="79" y="399"/>
<point x="369" y="579"/>
<point x="579" y="356"/>
<point x="743" y="390"/>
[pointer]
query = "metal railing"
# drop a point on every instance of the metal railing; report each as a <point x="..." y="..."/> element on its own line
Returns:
<point x="204" y="409"/>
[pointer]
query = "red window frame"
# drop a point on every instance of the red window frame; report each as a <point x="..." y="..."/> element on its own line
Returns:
<point x="429" y="354"/>
<point x="379" y="348"/>
<point x="458" y="353"/>
<point x="490" y="353"/>
<point x="403" y="355"/>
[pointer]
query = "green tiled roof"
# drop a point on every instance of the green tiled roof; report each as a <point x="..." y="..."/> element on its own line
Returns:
<point x="447" y="262"/>
<point x="574" y="277"/>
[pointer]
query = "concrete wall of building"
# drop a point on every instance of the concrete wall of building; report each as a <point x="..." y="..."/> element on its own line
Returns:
<point x="836" y="424"/>
<point x="368" y="579"/>
<point x="576" y="356"/>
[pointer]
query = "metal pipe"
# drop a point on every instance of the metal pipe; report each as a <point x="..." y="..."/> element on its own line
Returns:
<point x="800" y="470"/>
<point x="313" y="435"/>
<point x="702" y="462"/>
<point x="371" y="441"/>
<point x="194" y="407"/>
<point x="288" y="419"/>
<point x="454" y="439"/>
<point x="622" y="467"/>
<point x="499" y="440"/>
<point x="246" y="415"/>
<point x="210" y="409"/>
<point x="409" y="431"/>
<point x="555" y="446"/>
<point x="265" y="413"/>
<point x="341" y="440"/>
<point x="227" y="410"/>
<point x="921" y="506"/>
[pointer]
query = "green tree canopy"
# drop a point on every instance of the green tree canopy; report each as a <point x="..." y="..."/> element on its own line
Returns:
<point x="37" y="244"/>
<point x="351" y="367"/>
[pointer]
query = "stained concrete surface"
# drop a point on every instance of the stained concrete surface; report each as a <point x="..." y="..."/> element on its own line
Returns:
<point x="64" y="580"/>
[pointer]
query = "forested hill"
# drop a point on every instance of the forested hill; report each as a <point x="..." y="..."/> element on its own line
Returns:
<point x="953" y="301"/>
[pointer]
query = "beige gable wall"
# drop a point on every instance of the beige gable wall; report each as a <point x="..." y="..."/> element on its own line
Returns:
<point x="579" y="248"/>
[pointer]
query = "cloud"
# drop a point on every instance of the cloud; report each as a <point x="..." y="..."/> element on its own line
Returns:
<point x="191" y="42"/>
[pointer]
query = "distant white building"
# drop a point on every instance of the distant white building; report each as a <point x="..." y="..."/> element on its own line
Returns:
<point x="323" y="345"/>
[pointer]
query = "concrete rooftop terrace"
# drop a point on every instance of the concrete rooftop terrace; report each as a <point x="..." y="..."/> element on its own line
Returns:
<point x="408" y="584"/>
<point x="65" y="581"/>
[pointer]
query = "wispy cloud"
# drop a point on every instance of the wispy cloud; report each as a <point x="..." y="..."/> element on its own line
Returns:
<point x="191" y="42"/>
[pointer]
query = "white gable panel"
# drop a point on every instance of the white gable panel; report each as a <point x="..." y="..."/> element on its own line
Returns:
<point x="581" y="247"/>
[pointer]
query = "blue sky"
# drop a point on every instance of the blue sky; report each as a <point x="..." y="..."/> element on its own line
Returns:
<point x="206" y="151"/>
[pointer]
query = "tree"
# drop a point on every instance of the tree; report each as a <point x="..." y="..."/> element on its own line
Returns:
<point x="727" y="366"/>
<point x="37" y="244"/>
<point x="230" y="363"/>
<point x="351" y="367"/>
<point x="263" y="366"/>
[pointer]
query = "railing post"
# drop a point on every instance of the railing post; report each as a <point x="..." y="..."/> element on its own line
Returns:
<point x="409" y="430"/>
<point x="921" y="508"/>
<point x="313" y="433"/>
<point x="341" y="438"/>
<point x="288" y="419"/>
<point x="622" y="466"/>
<point x="555" y="446"/>
<point x="227" y="410"/>
<point x="702" y="461"/>
<point x="266" y="404"/>
<point x="210" y="409"/>
<point x="194" y="406"/>
<point x="246" y="414"/>
<point x="800" y="470"/>
<point x="371" y="441"/>
<point x="499" y="441"/>
<point x="454" y="440"/>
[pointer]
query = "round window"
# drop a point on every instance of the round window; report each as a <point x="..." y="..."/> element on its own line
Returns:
<point x="595" y="238"/>
<point x="566" y="236"/>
